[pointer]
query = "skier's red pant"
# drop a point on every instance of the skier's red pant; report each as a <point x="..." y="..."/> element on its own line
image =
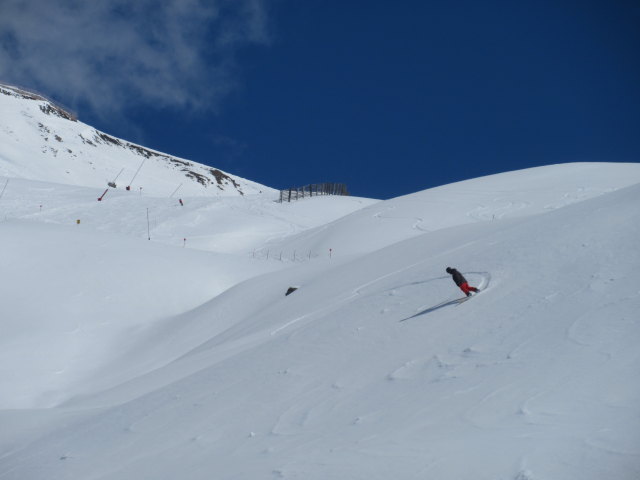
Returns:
<point x="466" y="288"/>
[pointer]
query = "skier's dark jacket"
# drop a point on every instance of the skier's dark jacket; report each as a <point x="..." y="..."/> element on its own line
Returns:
<point x="457" y="276"/>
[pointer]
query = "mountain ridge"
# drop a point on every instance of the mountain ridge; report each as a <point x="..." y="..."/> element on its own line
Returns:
<point x="58" y="147"/>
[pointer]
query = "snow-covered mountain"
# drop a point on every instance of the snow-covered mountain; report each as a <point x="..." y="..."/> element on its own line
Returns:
<point x="42" y="141"/>
<point x="181" y="357"/>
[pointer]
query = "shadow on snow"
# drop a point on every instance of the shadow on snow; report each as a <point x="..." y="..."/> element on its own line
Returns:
<point x="446" y="303"/>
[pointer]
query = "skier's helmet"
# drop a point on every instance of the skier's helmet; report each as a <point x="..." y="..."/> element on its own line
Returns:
<point x="449" y="270"/>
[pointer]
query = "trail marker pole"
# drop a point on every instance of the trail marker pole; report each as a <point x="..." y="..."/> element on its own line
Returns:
<point x="148" y="228"/>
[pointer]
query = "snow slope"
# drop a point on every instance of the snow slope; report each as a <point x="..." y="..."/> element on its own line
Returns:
<point x="508" y="195"/>
<point x="41" y="141"/>
<point x="128" y="359"/>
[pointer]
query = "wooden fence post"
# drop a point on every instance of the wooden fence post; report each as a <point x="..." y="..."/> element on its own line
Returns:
<point x="327" y="188"/>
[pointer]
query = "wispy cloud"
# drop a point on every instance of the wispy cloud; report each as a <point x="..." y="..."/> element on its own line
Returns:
<point x="109" y="53"/>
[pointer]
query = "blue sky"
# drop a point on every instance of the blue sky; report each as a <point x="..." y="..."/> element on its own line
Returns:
<point x="389" y="97"/>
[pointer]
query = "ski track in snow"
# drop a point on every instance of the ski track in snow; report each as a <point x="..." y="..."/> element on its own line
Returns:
<point x="499" y="209"/>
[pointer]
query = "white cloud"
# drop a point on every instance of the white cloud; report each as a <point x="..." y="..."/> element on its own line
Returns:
<point x="109" y="53"/>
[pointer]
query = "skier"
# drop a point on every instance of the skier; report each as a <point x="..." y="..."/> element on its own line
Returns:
<point x="461" y="281"/>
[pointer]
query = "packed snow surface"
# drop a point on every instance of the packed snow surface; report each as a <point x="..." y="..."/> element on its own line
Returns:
<point x="142" y="338"/>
